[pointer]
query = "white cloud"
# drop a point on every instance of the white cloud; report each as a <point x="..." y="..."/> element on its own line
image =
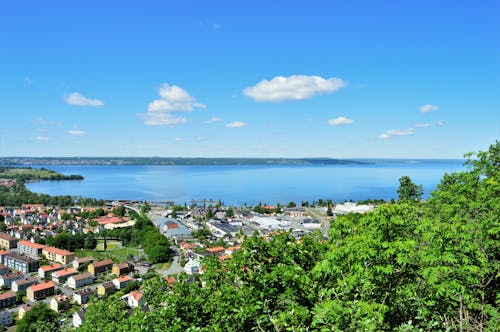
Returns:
<point x="428" y="108"/>
<point x="78" y="99"/>
<point x="341" y="120"/>
<point x="236" y="124"/>
<point x="430" y="124"/>
<point x="295" y="87"/>
<point x="397" y="132"/>
<point x="216" y="26"/>
<point x="213" y="120"/>
<point x="179" y="139"/>
<point x="423" y="125"/>
<point x="76" y="132"/>
<point x="440" y="123"/>
<point x="172" y="99"/>
<point x="161" y="119"/>
<point x="41" y="138"/>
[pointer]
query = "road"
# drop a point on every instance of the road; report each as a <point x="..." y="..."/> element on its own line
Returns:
<point x="325" y="221"/>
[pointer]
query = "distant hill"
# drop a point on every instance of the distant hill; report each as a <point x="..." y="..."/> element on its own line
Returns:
<point x="24" y="161"/>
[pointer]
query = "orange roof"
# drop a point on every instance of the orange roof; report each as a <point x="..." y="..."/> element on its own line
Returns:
<point x="234" y="248"/>
<point x="42" y="286"/>
<point x="123" y="279"/>
<point x="170" y="280"/>
<point x="224" y="257"/>
<point x="31" y="244"/>
<point x="57" y="251"/>
<point x="215" y="249"/>
<point x="4" y="252"/>
<point x="67" y="271"/>
<point x="102" y="263"/>
<point x="7" y="295"/>
<point x="136" y="295"/>
<point x="51" y="267"/>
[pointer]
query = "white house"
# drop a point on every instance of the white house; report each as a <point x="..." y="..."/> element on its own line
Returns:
<point x="136" y="299"/>
<point x="78" y="318"/>
<point x="83" y="296"/>
<point x="5" y="318"/>
<point x="192" y="266"/>
<point x="80" y="280"/>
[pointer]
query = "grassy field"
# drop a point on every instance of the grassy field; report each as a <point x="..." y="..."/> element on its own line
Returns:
<point x="125" y="251"/>
<point x="116" y="253"/>
<point x="12" y="172"/>
<point x="163" y="266"/>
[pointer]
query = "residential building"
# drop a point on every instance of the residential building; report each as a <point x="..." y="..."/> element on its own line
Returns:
<point x="23" y="284"/>
<point x="25" y="308"/>
<point x="5" y="318"/>
<point x="215" y="250"/>
<point x="78" y="318"/>
<point x="60" y="303"/>
<point x="21" y="263"/>
<point x="122" y="282"/>
<point x="7" y="299"/>
<point x="4" y="269"/>
<point x="2" y="254"/>
<point x="40" y="291"/>
<point x="193" y="266"/>
<point x="7" y="279"/>
<point x="83" y="296"/>
<point x="60" y="277"/>
<point x="77" y="262"/>
<point x="136" y="299"/>
<point x="100" y="267"/>
<point x="58" y="255"/>
<point x="47" y="270"/>
<point x="80" y="280"/>
<point x="7" y="241"/>
<point x="106" y="288"/>
<point x="30" y="248"/>
<point x="122" y="268"/>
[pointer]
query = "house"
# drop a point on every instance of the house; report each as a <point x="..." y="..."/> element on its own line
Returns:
<point x="78" y="318"/>
<point x="215" y="250"/>
<point x="232" y="250"/>
<point x="7" y="241"/>
<point x="84" y="261"/>
<point x="40" y="291"/>
<point x="58" y="255"/>
<point x="5" y="318"/>
<point x="83" y="296"/>
<point x="136" y="299"/>
<point x="23" y="284"/>
<point x="122" y="268"/>
<point x="25" y="308"/>
<point x="2" y="254"/>
<point x="80" y="280"/>
<point x="60" y="277"/>
<point x="7" y="279"/>
<point x="122" y="282"/>
<point x="60" y="303"/>
<point x="7" y="299"/>
<point x="4" y="269"/>
<point x="21" y="263"/>
<point x="30" y="248"/>
<point x="106" y="288"/>
<point x="47" y="270"/>
<point x="193" y="266"/>
<point x="100" y="267"/>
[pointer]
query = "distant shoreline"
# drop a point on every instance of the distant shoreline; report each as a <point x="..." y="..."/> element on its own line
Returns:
<point x="82" y="161"/>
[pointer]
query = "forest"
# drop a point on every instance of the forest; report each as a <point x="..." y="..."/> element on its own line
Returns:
<point x="407" y="266"/>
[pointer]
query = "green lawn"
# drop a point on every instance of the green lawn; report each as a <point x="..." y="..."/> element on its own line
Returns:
<point x="125" y="251"/>
<point x="162" y="266"/>
<point x="117" y="255"/>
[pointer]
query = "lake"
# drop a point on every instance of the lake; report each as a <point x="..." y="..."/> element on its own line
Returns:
<point x="251" y="184"/>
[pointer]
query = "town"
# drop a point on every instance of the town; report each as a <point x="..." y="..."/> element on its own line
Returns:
<point x="67" y="257"/>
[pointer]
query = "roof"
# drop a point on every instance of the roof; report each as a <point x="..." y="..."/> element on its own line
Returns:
<point x="124" y="265"/>
<point x="61" y="298"/>
<point x="83" y="276"/>
<point x="215" y="249"/>
<point x="57" y="251"/>
<point x="25" y="281"/>
<point x="42" y="286"/>
<point x="7" y="295"/>
<point x="66" y="271"/>
<point x="84" y="291"/>
<point x="21" y="258"/>
<point x="136" y="295"/>
<point x="3" y="267"/>
<point x="103" y="263"/>
<point x="31" y="244"/>
<point x="4" y="252"/>
<point x="107" y="284"/>
<point x="12" y="275"/>
<point x="52" y="267"/>
<point x="123" y="279"/>
<point x="85" y="259"/>
<point x="7" y="237"/>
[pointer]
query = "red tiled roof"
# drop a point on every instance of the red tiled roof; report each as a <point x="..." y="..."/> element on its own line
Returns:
<point x="52" y="267"/>
<point x="42" y="286"/>
<point x="7" y="295"/>
<point x="215" y="249"/>
<point x="57" y="251"/>
<point x="31" y="244"/>
<point x="123" y="279"/>
<point x="103" y="263"/>
<point x="67" y="271"/>
<point x="136" y="295"/>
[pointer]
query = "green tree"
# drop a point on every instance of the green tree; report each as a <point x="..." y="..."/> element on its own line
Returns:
<point x="39" y="319"/>
<point x="409" y="191"/>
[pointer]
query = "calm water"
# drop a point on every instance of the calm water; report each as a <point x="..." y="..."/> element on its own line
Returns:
<point x="238" y="184"/>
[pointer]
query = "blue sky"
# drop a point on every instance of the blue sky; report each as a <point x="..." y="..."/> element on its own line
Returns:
<point x="341" y="79"/>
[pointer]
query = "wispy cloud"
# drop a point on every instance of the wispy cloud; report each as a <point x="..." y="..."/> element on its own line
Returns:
<point x="76" y="132"/>
<point x="213" y="120"/>
<point x="41" y="138"/>
<point x="216" y="26"/>
<point x="428" y="108"/>
<point x="179" y="139"/>
<point x="430" y="124"/>
<point x="236" y="124"/>
<point x="78" y="99"/>
<point x="172" y="99"/>
<point x="341" y="120"/>
<point x="295" y="87"/>
<point x="397" y="132"/>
